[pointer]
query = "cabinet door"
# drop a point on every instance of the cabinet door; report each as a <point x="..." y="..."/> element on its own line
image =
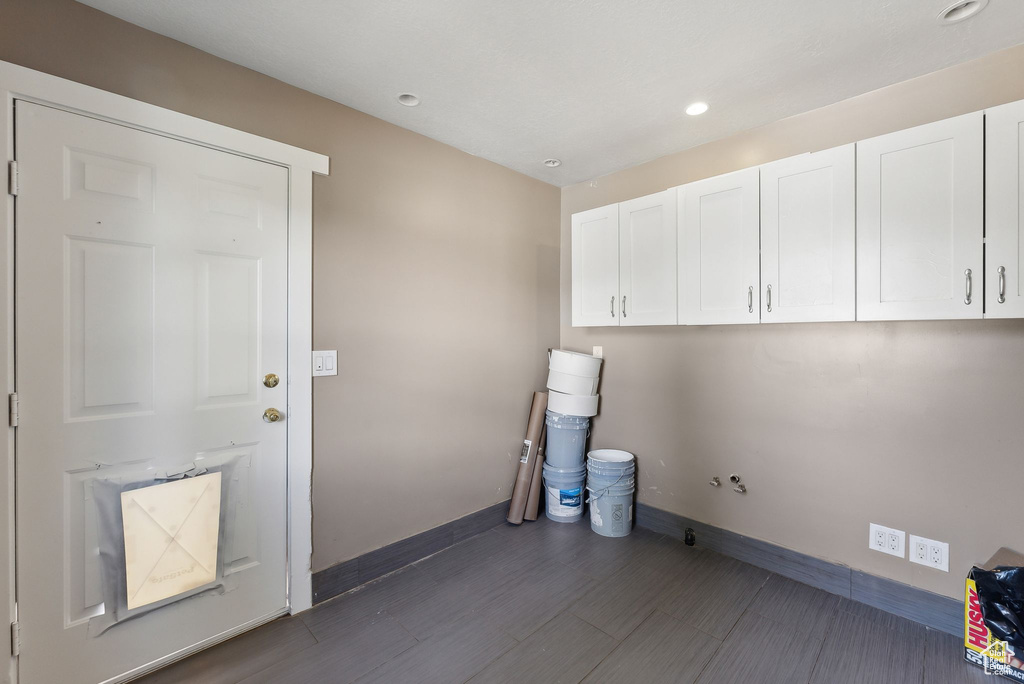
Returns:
<point x="647" y="260"/>
<point x="808" y="226"/>
<point x="718" y="250"/>
<point x="1004" y="211"/>
<point x="595" y="267"/>
<point x="919" y="222"/>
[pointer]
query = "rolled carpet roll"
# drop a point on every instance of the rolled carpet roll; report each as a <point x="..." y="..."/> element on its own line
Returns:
<point x="527" y="459"/>
<point x="536" y="487"/>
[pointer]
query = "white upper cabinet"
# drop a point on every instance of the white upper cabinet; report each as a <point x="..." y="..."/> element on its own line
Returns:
<point x="718" y="250"/>
<point x="1004" y="211"/>
<point x="808" y="229"/>
<point x="920" y="222"/>
<point x="595" y="267"/>
<point x="647" y="260"/>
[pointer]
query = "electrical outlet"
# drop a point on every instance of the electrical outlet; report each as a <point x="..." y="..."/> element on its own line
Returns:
<point x="887" y="540"/>
<point x="934" y="554"/>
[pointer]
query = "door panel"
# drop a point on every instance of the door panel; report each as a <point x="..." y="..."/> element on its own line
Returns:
<point x="920" y="221"/>
<point x="151" y="297"/>
<point x="108" y="344"/>
<point x="719" y="250"/>
<point x="647" y="260"/>
<point x="807" y="238"/>
<point x="595" y="267"/>
<point x="1004" y="211"/>
<point x="227" y="310"/>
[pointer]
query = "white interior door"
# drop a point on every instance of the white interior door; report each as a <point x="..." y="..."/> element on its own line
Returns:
<point x="647" y="260"/>
<point x="808" y="228"/>
<point x="595" y="267"/>
<point x="151" y="299"/>
<point x="1004" y="211"/>
<point x="920" y="221"/>
<point x="719" y="256"/>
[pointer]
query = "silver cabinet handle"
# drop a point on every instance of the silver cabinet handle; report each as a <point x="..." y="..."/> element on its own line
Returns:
<point x="769" y="299"/>
<point x="623" y="306"/>
<point x="613" y="306"/>
<point x="969" y="285"/>
<point x="750" y="299"/>
<point x="1002" y="284"/>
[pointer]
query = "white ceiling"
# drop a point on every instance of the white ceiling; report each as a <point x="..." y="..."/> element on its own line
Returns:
<point x="599" y="84"/>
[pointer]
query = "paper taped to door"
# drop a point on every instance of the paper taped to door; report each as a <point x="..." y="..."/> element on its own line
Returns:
<point x="171" y="533"/>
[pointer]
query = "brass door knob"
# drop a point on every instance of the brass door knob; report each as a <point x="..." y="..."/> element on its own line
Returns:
<point x="271" y="380"/>
<point x="271" y="415"/>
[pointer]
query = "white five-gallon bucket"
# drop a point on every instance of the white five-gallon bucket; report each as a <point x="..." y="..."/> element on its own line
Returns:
<point x="563" y="488"/>
<point x="611" y="483"/>
<point x="567" y="440"/>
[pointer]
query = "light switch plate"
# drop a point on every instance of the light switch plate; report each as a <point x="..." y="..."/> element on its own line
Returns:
<point x="325" y="363"/>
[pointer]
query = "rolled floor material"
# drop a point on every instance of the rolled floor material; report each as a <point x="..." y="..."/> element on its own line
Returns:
<point x="527" y="459"/>
<point x="573" y="404"/>
<point x="533" y="501"/>
<point x="571" y="384"/>
<point x="574" y="363"/>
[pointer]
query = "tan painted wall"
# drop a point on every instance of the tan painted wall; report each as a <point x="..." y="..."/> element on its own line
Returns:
<point x="435" y="275"/>
<point x="914" y="425"/>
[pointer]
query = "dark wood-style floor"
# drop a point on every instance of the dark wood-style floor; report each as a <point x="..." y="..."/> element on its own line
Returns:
<point x="556" y="603"/>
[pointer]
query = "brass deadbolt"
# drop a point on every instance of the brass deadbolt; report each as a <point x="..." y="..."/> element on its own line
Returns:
<point x="271" y="380"/>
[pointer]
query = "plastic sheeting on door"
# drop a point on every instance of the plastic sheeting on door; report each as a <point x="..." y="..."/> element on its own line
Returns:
<point x="113" y="496"/>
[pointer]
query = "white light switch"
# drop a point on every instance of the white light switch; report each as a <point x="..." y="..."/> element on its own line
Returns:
<point x="325" y="362"/>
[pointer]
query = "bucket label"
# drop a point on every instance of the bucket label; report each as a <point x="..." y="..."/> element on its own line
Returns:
<point x="569" y="497"/>
<point x="564" y="501"/>
<point x="617" y="517"/>
<point x="523" y="457"/>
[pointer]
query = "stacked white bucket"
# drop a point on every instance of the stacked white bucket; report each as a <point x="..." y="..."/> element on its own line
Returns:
<point x="572" y="401"/>
<point x="611" y="481"/>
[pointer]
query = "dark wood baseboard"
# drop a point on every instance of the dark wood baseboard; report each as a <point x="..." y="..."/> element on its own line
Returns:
<point x="349" y="574"/>
<point x="930" y="609"/>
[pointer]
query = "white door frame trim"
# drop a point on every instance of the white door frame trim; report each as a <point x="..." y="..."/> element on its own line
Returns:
<point x="20" y="83"/>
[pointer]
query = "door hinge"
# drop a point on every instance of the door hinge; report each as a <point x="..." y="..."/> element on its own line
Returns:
<point x="12" y="178"/>
<point x="15" y="638"/>
<point x="12" y="405"/>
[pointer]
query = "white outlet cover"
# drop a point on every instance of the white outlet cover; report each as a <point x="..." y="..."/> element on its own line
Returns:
<point x="882" y="538"/>
<point x="599" y="352"/>
<point x="936" y="553"/>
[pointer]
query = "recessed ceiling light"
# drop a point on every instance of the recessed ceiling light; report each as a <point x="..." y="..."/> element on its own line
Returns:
<point x="408" y="99"/>
<point x="959" y="11"/>
<point x="552" y="162"/>
<point x="697" y="108"/>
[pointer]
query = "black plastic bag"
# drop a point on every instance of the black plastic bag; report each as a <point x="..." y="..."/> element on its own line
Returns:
<point x="1001" y="593"/>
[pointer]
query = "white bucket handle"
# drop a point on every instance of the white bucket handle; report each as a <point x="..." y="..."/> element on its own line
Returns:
<point x="605" y="490"/>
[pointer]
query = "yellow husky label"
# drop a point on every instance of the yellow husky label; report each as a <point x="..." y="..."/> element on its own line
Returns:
<point x="976" y="636"/>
